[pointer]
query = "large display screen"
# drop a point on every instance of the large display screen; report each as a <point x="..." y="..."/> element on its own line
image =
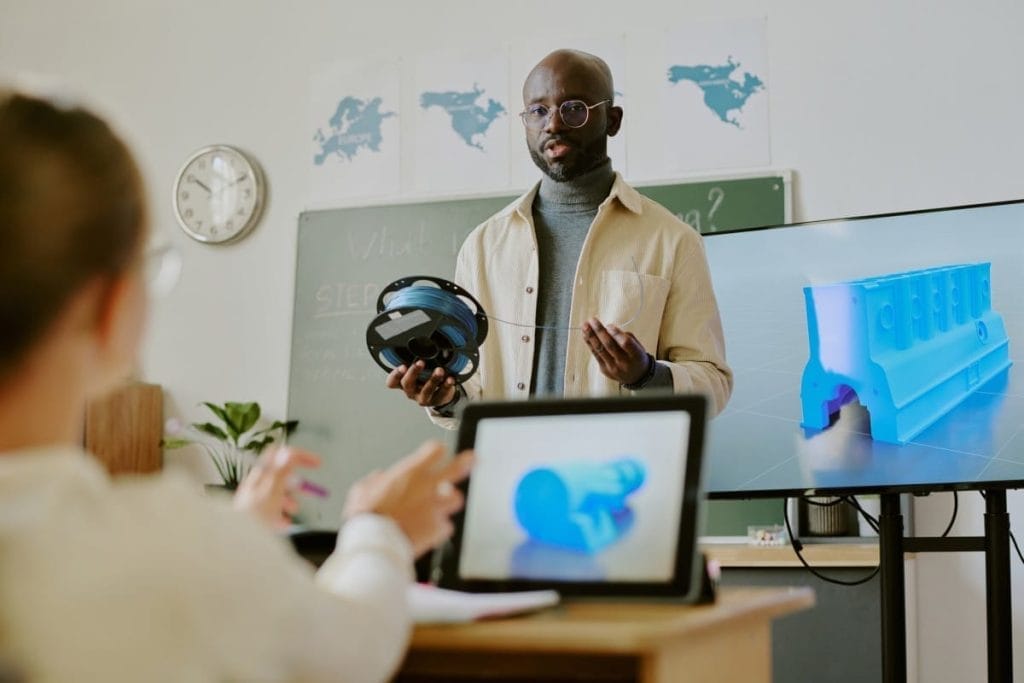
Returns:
<point x="872" y="351"/>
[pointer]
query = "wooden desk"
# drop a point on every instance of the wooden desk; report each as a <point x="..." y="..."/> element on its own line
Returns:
<point x="612" y="642"/>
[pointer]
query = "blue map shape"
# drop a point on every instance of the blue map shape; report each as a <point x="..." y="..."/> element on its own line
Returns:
<point x="722" y="94"/>
<point x="468" y="118"/>
<point x="355" y="125"/>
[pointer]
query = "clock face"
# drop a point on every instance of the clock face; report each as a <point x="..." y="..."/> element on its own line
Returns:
<point x="218" y="195"/>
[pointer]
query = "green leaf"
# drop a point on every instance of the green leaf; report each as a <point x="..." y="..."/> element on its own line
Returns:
<point x="175" y="442"/>
<point x="251" y="417"/>
<point x="217" y="410"/>
<point x="261" y="433"/>
<point x="257" y="445"/>
<point x="288" y="427"/>
<point x="211" y="429"/>
<point x="241" y="417"/>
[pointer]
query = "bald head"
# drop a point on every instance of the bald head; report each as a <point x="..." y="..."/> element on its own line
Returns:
<point x="573" y="66"/>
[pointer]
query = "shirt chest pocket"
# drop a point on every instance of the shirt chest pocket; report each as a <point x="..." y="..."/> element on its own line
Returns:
<point x="634" y="298"/>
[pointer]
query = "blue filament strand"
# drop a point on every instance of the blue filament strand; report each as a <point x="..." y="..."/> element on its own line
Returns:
<point x="451" y="307"/>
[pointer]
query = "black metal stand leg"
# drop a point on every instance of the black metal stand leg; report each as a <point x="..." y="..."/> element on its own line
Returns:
<point x="997" y="582"/>
<point x="894" y="616"/>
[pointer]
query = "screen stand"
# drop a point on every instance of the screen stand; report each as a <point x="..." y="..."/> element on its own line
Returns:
<point x="996" y="546"/>
<point x="894" y="619"/>
<point x="997" y="587"/>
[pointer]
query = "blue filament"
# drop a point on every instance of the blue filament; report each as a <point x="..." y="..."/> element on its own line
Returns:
<point x="459" y="332"/>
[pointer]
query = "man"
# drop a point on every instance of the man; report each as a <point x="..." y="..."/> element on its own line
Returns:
<point x="580" y="248"/>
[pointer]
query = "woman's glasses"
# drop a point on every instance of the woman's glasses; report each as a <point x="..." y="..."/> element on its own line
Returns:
<point x="162" y="268"/>
<point x="574" y="114"/>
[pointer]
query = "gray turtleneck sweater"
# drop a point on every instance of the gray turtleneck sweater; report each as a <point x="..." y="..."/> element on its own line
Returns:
<point x="562" y="216"/>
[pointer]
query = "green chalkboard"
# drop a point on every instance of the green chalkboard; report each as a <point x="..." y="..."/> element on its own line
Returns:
<point x="346" y="256"/>
<point x="733" y="204"/>
<point x="732" y="517"/>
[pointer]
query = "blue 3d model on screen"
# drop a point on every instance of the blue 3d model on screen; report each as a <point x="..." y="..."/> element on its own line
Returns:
<point x="579" y="505"/>
<point x="909" y="346"/>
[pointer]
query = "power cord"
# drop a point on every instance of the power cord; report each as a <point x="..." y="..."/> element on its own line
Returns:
<point x="956" y="504"/>
<point x="1012" y="537"/>
<point x="798" y="546"/>
<point x="873" y="523"/>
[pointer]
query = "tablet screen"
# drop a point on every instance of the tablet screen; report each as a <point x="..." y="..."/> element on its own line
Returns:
<point x="576" y="498"/>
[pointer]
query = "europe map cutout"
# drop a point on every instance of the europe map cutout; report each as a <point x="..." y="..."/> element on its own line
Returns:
<point x="722" y="93"/>
<point x="469" y="119"/>
<point x="355" y="126"/>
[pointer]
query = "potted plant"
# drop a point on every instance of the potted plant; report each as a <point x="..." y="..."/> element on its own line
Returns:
<point x="232" y="440"/>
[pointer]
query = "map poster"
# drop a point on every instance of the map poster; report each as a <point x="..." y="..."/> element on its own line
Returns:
<point x="525" y="55"/>
<point x="461" y="122"/>
<point x="354" y="132"/>
<point x="715" y="95"/>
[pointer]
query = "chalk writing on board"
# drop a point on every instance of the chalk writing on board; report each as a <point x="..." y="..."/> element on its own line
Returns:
<point x="345" y="298"/>
<point x="703" y="221"/>
<point x="388" y="242"/>
<point x="334" y="355"/>
<point x="332" y="375"/>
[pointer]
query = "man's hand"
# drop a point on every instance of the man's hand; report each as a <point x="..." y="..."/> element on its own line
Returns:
<point x="417" y="492"/>
<point x="268" y="490"/>
<point x="436" y="391"/>
<point x="619" y="354"/>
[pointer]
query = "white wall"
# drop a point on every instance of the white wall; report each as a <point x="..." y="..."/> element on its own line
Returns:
<point x="879" y="105"/>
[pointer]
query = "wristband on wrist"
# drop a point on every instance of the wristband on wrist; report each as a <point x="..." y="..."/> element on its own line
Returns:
<point x="652" y="366"/>
<point x="447" y="409"/>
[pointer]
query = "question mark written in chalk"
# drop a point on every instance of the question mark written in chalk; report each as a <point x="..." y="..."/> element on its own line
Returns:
<point x="715" y="195"/>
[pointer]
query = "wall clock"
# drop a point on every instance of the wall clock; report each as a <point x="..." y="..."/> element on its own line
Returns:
<point x="219" y="194"/>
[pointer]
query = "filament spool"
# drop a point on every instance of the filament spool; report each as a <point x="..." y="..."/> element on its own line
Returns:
<point x="431" y="320"/>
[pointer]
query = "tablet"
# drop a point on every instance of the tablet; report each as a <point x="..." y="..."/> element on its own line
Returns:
<point x="590" y="497"/>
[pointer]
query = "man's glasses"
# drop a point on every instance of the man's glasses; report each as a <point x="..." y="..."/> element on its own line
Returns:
<point x="574" y="114"/>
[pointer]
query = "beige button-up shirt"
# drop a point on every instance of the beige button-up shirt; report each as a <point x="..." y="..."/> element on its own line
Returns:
<point x="639" y="265"/>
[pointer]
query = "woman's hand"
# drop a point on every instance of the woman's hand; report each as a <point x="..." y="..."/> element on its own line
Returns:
<point x="418" y="493"/>
<point x="268" y="490"/>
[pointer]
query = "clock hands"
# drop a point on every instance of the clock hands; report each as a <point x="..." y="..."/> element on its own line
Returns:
<point x="201" y="184"/>
<point x="233" y="182"/>
<point x="223" y="185"/>
<point x="230" y="184"/>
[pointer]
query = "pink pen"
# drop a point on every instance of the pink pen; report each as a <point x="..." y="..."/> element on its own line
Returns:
<point x="306" y="486"/>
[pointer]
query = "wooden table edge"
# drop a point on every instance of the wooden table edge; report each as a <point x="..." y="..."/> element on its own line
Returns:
<point x="566" y="629"/>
